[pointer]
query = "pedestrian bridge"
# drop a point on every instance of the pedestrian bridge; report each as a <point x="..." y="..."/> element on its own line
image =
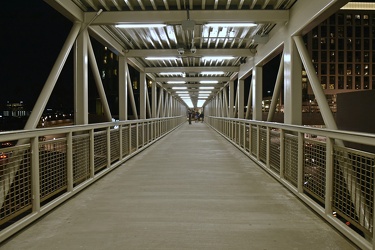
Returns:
<point x="164" y="184"/>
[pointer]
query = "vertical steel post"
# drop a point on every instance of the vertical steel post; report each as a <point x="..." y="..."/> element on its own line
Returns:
<point x="256" y="84"/>
<point x="123" y="89"/>
<point x="92" y="154"/>
<point x="35" y="182"/>
<point x="300" y="176"/>
<point x="69" y="161"/>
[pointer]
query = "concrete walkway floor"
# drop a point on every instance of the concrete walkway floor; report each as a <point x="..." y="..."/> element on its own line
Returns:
<point x="190" y="190"/>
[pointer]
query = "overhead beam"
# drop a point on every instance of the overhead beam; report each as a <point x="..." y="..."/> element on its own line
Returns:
<point x="199" y="53"/>
<point x="170" y="85"/>
<point x="192" y="79"/>
<point x="199" y="16"/>
<point x="191" y="69"/>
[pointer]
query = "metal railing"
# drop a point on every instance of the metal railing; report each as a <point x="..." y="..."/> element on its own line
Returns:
<point x="334" y="180"/>
<point x="48" y="166"/>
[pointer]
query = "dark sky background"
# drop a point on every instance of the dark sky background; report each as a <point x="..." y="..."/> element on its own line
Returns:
<point x="32" y="35"/>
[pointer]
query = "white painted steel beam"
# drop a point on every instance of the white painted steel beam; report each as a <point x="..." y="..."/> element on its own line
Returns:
<point x="277" y="89"/>
<point x="81" y="80"/>
<point x="241" y="98"/>
<point x="123" y="89"/>
<point x="198" y="54"/>
<point x="191" y="69"/>
<point x="199" y="16"/>
<point x="193" y="79"/>
<point x="98" y="81"/>
<point x="257" y="85"/>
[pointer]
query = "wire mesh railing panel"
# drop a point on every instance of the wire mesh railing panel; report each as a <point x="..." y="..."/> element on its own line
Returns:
<point x="100" y="150"/>
<point x="353" y="187"/>
<point x="140" y="134"/>
<point x="314" y="169"/>
<point x="15" y="182"/>
<point x="254" y="140"/>
<point x="263" y="144"/>
<point x="125" y="141"/>
<point x="275" y="150"/>
<point x="291" y="158"/>
<point x="115" y="144"/>
<point x="81" y="158"/>
<point x="133" y="138"/>
<point x="52" y="167"/>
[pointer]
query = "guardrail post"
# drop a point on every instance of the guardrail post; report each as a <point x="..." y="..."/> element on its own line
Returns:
<point x="120" y="141"/>
<point x="329" y="177"/>
<point x="69" y="161"/>
<point x="268" y="147"/>
<point x="300" y="163"/>
<point x="136" y="136"/>
<point x="108" y="132"/>
<point x="250" y="138"/>
<point x="35" y="182"/>
<point x="282" y="154"/>
<point x="92" y="154"/>
<point x="258" y="143"/>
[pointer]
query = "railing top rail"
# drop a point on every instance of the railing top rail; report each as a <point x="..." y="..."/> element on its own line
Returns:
<point x="20" y="134"/>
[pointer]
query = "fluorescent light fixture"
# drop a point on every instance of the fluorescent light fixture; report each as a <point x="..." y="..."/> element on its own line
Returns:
<point x="176" y="82"/>
<point x="230" y="24"/>
<point x="203" y="97"/>
<point x="182" y="92"/>
<point x="179" y="87"/>
<point x="204" y="92"/>
<point x="162" y="58"/>
<point x="209" y="81"/>
<point x="206" y="87"/>
<point x="170" y="73"/>
<point x="220" y="58"/>
<point x="200" y="95"/>
<point x="183" y="95"/>
<point x="140" y="25"/>
<point x="212" y="72"/>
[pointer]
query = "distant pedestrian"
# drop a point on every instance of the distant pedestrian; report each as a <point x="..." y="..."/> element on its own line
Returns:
<point x="202" y="117"/>
<point x="196" y="116"/>
<point x="189" y="116"/>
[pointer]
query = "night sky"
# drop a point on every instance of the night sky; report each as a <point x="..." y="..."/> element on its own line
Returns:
<point x="32" y="34"/>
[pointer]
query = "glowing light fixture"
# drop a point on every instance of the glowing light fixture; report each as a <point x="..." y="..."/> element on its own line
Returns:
<point x="212" y="72"/>
<point x="170" y="73"/>
<point x="140" y="25"/>
<point x="206" y="87"/>
<point x="209" y="81"/>
<point x="230" y="24"/>
<point x="176" y="82"/>
<point x="220" y="58"/>
<point x="179" y="87"/>
<point x="182" y="92"/>
<point x="205" y="92"/>
<point x="162" y="58"/>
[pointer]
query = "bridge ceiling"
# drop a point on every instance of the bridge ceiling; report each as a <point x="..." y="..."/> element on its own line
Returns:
<point x="193" y="35"/>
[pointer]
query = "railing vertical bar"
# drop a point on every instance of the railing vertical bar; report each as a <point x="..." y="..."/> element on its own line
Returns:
<point x="329" y="177"/>
<point x="35" y="181"/>
<point x="120" y="141"/>
<point x="300" y="163"/>
<point x="69" y="161"/>
<point x="282" y="154"/>
<point x="108" y="141"/>
<point x="92" y="154"/>
<point x="268" y="147"/>
<point x="258" y="143"/>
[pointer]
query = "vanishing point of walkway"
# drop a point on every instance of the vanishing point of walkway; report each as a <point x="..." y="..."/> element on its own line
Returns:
<point x="190" y="190"/>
